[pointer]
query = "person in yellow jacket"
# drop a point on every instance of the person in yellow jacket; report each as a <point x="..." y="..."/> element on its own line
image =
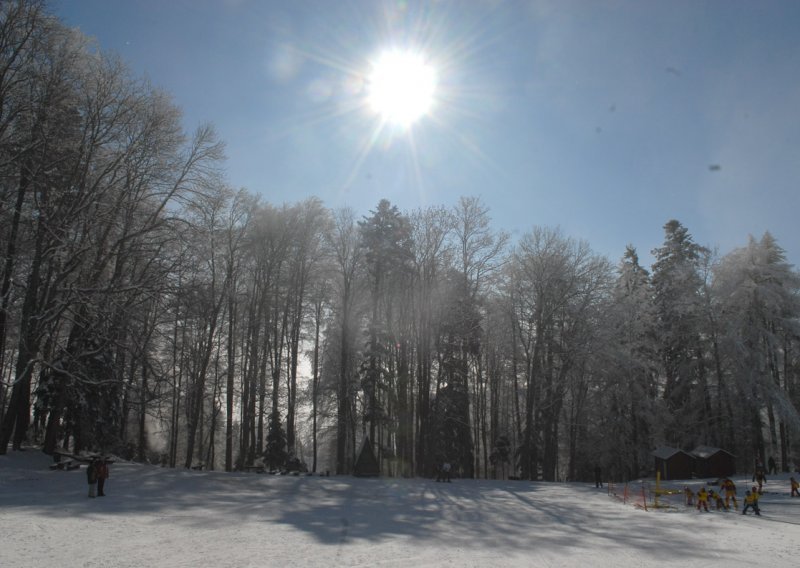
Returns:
<point x="751" y="501"/>
<point x="729" y="487"/>
<point x="795" y="487"/>
<point x="716" y="498"/>
<point x="702" y="499"/>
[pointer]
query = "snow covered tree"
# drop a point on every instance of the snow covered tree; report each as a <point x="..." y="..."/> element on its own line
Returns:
<point x="677" y="288"/>
<point x="757" y="295"/>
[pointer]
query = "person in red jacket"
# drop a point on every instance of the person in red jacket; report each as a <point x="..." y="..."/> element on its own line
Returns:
<point x="102" y="475"/>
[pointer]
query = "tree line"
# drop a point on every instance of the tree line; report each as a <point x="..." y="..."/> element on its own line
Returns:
<point x="150" y="310"/>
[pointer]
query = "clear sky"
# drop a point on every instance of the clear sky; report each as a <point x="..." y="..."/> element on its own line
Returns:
<point x="605" y="118"/>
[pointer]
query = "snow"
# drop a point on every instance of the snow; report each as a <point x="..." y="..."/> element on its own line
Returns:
<point x="163" y="517"/>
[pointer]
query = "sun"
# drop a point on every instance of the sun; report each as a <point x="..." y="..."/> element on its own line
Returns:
<point x="401" y="87"/>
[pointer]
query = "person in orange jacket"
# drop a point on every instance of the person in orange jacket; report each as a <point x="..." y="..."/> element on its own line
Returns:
<point x="795" y="487"/>
<point x="729" y="487"/>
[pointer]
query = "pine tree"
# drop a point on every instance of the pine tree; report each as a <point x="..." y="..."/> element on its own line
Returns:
<point x="676" y="289"/>
<point x="275" y="452"/>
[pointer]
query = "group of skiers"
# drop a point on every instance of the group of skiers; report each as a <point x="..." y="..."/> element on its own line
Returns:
<point x="729" y="488"/>
<point x="96" y="475"/>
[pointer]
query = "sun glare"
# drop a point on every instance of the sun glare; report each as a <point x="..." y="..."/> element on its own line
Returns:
<point x="401" y="87"/>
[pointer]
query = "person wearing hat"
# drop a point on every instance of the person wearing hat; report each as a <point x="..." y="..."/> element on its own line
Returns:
<point x="751" y="501"/>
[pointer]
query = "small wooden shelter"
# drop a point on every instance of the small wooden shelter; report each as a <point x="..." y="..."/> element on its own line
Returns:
<point x="673" y="463"/>
<point x="366" y="463"/>
<point x="713" y="462"/>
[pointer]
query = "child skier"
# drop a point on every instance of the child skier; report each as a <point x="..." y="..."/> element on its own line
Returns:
<point x="730" y="493"/>
<point x="716" y="498"/>
<point x="689" y="496"/>
<point x="795" y="487"/>
<point x="702" y="499"/>
<point x="751" y="500"/>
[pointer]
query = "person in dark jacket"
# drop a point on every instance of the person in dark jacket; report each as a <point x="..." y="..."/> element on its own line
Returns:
<point x="771" y="467"/>
<point x="91" y="476"/>
<point x="598" y="476"/>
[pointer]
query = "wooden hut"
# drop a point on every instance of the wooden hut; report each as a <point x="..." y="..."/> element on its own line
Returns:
<point x="673" y="463"/>
<point x="713" y="462"/>
<point x="366" y="463"/>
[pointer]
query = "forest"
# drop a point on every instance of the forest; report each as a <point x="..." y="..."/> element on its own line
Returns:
<point x="152" y="311"/>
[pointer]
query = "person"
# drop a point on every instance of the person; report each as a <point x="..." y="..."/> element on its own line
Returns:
<point x="598" y="477"/>
<point x="751" y="501"/>
<point x="761" y="478"/>
<point x="91" y="476"/>
<point x="702" y="499"/>
<point x="771" y="468"/>
<point x="795" y="487"/>
<point x="444" y="472"/>
<point x="102" y="475"/>
<point x="689" y="496"/>
<point x="716" y="498"/>
<point x="730" y="493"/>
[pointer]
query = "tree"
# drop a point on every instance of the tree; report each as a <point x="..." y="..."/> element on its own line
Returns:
<point x="676" y="291"/>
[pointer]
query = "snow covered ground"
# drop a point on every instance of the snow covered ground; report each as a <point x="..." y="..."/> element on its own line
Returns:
<point x="162" y="517"/>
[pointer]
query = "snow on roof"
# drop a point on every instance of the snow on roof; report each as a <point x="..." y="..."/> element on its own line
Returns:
<point x="707" y="451"/>
<point x="665" y="452"/>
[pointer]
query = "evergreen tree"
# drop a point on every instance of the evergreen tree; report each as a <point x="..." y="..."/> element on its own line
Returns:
<point x="275" y="452"/>
<point x="676" y="291"/>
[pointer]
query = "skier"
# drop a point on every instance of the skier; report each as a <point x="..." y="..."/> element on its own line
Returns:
<point x="751" y="500"/>
<point x="702" y="499"/>
<point x="756" y="468"/>
<point x="761" y="478"/>
<point x="689" y="496"/>
<point x="730" y="493"/>
<point x="795" y="487"/>
<point x="771" y="468"/>
<point x="716" y="498"/>
<point x="102" y="475"/>
<point x="91" y="476"/>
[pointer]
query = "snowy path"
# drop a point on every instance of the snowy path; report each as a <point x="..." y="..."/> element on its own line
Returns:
<point x="159" y="517"/>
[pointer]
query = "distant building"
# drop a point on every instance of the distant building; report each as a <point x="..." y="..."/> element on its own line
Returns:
<point x="713" y="462"/>
<point x="673" y="463"/>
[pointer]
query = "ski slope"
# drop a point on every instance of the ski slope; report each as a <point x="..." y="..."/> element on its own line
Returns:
<point x="160" y="517"/>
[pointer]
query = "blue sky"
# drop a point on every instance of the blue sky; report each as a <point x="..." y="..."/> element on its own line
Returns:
<point x="603" y="118"/>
